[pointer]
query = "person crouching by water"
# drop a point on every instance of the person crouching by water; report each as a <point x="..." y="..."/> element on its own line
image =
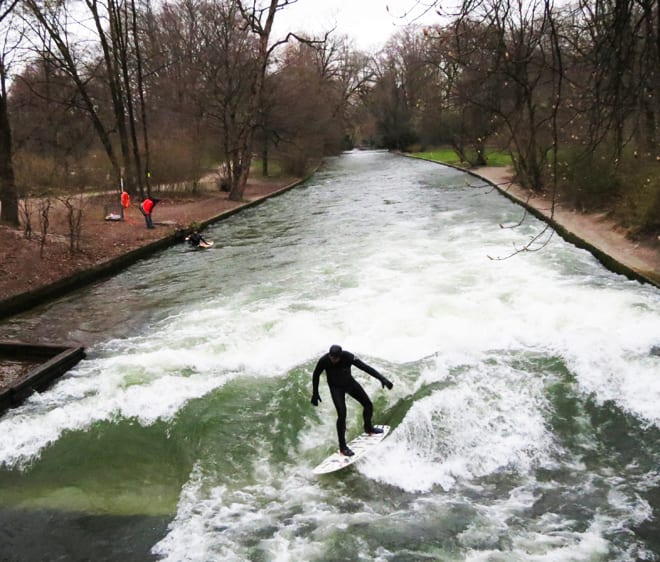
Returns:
<point x="337" y="366"/>
<point x="195" y="239"/>
<point x="146" y="208"/>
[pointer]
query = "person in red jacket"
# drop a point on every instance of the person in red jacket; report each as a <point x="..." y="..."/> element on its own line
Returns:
<point x="337" y="366"/>
<point x="146" y="208"/>
<point x="125" y="204"/>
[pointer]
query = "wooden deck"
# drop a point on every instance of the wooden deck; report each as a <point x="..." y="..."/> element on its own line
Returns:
<point x="28" y="367"/>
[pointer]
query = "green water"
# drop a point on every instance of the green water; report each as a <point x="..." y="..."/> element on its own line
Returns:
<point x="524" y="411"/>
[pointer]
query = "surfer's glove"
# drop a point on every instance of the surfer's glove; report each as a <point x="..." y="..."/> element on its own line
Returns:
<point x="316" y="399"/>
<point x="386" y="383"/>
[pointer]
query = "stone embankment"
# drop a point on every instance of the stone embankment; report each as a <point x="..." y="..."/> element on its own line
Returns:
<point x="596" y="233"/>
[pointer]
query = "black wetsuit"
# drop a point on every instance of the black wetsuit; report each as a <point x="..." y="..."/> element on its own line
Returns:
<point x="341" y="383"/>
<point x="195" y="239"/>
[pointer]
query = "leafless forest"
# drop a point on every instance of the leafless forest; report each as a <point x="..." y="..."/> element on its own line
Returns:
<point x="129" y="93"/>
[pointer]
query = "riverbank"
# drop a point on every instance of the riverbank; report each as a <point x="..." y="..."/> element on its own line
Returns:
<point x="29" y="277"/>
<point x="604" y="238"/>
<point x="26" y="279"/>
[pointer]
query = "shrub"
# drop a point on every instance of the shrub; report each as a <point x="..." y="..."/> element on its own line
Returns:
<point x="588" y="182"/>
<point x="628" y="188"/>
<point x="639" y="206"/>
<point x="294" y="160"/>
<point x="37" y="174"/>
<point x="174" y="161"/>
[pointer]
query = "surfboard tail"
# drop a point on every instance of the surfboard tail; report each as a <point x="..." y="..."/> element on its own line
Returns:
<point x="361" y="445"/>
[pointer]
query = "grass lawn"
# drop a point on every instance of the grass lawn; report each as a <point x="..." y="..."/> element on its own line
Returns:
<point x="448" y="156"/>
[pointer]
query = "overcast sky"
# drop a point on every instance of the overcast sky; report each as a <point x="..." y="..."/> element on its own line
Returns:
<point x="367" y="22"/>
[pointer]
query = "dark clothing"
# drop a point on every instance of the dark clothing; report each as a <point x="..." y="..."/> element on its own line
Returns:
<point x="341" y="382"/>
<point x="338" y="394"/>
<point x="339" y="373"/>
<point x="195" y="239"/>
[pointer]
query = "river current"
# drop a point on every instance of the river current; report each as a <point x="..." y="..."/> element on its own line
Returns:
<point x="525" y="411"/>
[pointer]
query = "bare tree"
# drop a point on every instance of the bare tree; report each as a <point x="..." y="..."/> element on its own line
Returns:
<point x="226" y="63"/>
<point x="111" y="62"/>
<point x="258" y="18"/>
<point x="347" y="76"/>
<point x="44" y="222"/>
<point x="393" y="99"/>
<point x="8" y="192"/>
<point x="304" y="134"/>
<point x="48" y="125"/>
<point x="25" y="207"/>
<point x="74" y="214"/>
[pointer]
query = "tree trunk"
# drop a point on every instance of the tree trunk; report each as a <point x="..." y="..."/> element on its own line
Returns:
<point x="264" y="158"/>
<point x="239" y="176"/>
<point x="113" y="56"/>
<point x="8" y="192"/>
<point x="143" y="107"/>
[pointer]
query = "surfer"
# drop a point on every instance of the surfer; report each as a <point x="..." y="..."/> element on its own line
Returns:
<point x="337" y="366"/>
<point x="195" y="239"/>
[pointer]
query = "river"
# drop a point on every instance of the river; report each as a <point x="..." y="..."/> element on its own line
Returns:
<point x="525" y="408"/>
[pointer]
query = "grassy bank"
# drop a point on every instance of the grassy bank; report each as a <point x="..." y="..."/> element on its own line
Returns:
<point x="449" y="156"/>
<point x="627" y="189"/>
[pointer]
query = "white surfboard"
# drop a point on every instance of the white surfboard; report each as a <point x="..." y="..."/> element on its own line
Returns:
<point x="361" y="445"/>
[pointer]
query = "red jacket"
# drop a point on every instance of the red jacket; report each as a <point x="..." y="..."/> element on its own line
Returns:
<point x="148" y="205"/>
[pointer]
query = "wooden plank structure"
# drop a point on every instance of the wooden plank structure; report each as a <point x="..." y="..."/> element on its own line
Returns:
<point x="51" y="361"/>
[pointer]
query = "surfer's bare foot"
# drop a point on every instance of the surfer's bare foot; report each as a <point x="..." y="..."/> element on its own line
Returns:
<point x="346" y="452"/>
